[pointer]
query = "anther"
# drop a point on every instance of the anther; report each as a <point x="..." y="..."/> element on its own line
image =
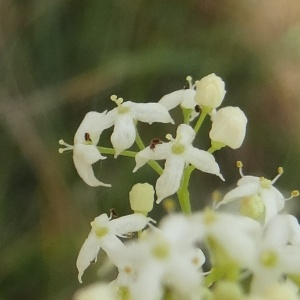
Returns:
<point x="294" y="194"/>
<point x="169" y="137"/>
<point x="189" y="80"/>
<point x="239" y="164"/>
<point x="68" y="146"/>
<point x="117" y="100"/>
<point x="280" y="172"/>
<point x="87" y="137"/>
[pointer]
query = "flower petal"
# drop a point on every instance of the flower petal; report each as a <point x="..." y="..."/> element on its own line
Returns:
<point x="124" y="133"/>
<point x="239" y="192"/>
<point x="86" y="172"/>
<point x="270" y="203"/>
<point x="185" y="134"/>
<point x="168" y="183"/>
<point x="150" y="112"/>
<point x="130" y="223"/>
<point x="93" y="123"/>
<point x="87" y="254"/>
<point x="202" y="160"/>
<point x="161" y="151"/>
<point x="172" y="100"/>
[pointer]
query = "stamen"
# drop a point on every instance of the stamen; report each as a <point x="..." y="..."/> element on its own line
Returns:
<point x="294" y="194"/>
<point x="280" y="172"/>
<point x="169" y="137"/>
<point x="239" y="164"/>
<point x="117" y="100"/>
<point x="189" y="80"/>
<point x="87" y="137"/>
<point x="68" y="146"/>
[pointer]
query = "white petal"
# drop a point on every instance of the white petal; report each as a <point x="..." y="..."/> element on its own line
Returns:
<point x="160" y="151"/>
<point x="87" y="254"/>
<point x="172" y="100"/>
<point x="124" y="133"/>
<point x="130" y="223"/>
<point x="150" y="112"/>
<point x="239" y="192"/>
<point x="188" y="99"/>
<point x="86" y="172"/>
<point x="93" y="123"/>
<point x="168" y="183"/>
<point x="88" y="154"/>
<point x="202" y="160"/>
<point x="113" y="247"/>
<point x="248" y="179"/>
<point x="185" y="134"/>
<point x="270" y="204"/>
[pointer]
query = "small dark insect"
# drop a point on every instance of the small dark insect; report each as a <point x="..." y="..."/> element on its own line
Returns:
<point x="197" y="108"/>
<point x="87" y="137"/>
<point x="113" y="213"/>
<point x="154" y="142"/>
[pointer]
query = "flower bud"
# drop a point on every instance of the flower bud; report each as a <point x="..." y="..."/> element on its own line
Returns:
<point x="141" y="197"/>
<point x="210" y="91"/>
<point x="96" y="291"/>
<point x="228" y="127"/>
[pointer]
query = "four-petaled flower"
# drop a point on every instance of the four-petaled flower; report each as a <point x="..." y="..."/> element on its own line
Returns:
<point x="85" y="151"/>
<point x="258" y="197"/>
<point x="126" y="114"/>
<point x="104" y="234"/>
<point x="178" y="153"/>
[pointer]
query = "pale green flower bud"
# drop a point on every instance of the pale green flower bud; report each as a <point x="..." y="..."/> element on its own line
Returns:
<point x="141" y="197"/>
<point x="228" y="127"/>
<point x="210" y="91"/>
<point x="96" y="291"/>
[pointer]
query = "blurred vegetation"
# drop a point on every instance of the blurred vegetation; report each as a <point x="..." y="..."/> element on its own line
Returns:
<point x="60" y="59"/>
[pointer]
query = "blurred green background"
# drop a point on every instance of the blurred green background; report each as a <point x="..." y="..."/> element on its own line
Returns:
<point x="60" y="59"/>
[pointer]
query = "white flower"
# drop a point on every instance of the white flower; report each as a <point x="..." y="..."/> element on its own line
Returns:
<point x="258" y="197"/>
<point x="178" y="153"/>
<point x="85" y="151"/>
<point x="237" y="235"/>
<point x="228" y="127"/>
<point x="165" y="258"/>
<point x="275" y="254"/>
<point x="125" y="116"/>
<point x="104" y="234"/>
<point x="210" y="91"/>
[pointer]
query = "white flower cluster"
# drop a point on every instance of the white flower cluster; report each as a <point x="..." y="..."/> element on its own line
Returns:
<point x="252" y="253"/>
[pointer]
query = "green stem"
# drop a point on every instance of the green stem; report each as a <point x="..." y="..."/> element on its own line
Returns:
<point x="183" y="192"/>
<point x="105" y="150"/>
<point x="139" y="141"/>
<point x="200" y="120"/>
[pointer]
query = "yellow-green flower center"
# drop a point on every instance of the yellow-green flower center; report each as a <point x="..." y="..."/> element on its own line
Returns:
<point x="268" y="258"/>
<point x="161" y="250"/>
<point x="122" y="109"/>
<point x="265" y="183"/>
<point x="178" y="148"/>
<point x="252" y="207"/>
<point x="99" y="231"/>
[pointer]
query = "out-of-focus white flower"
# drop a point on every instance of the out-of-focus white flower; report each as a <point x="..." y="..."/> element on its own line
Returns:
<point x="96" y="291"/>
<point x="104" y="234"/>
<point x="126" y="114"/>
<point x="275" y="254"/>
<point x="237" y="235"/>
<point x="165" y="258"/>
<point x="228" y="127"/>
<point x="178" y="153"/>
<point x="85" y="151"/>
<point x="141" y="197"/>
<point x="210" y="91"/>
<point x="257" y="195"/>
